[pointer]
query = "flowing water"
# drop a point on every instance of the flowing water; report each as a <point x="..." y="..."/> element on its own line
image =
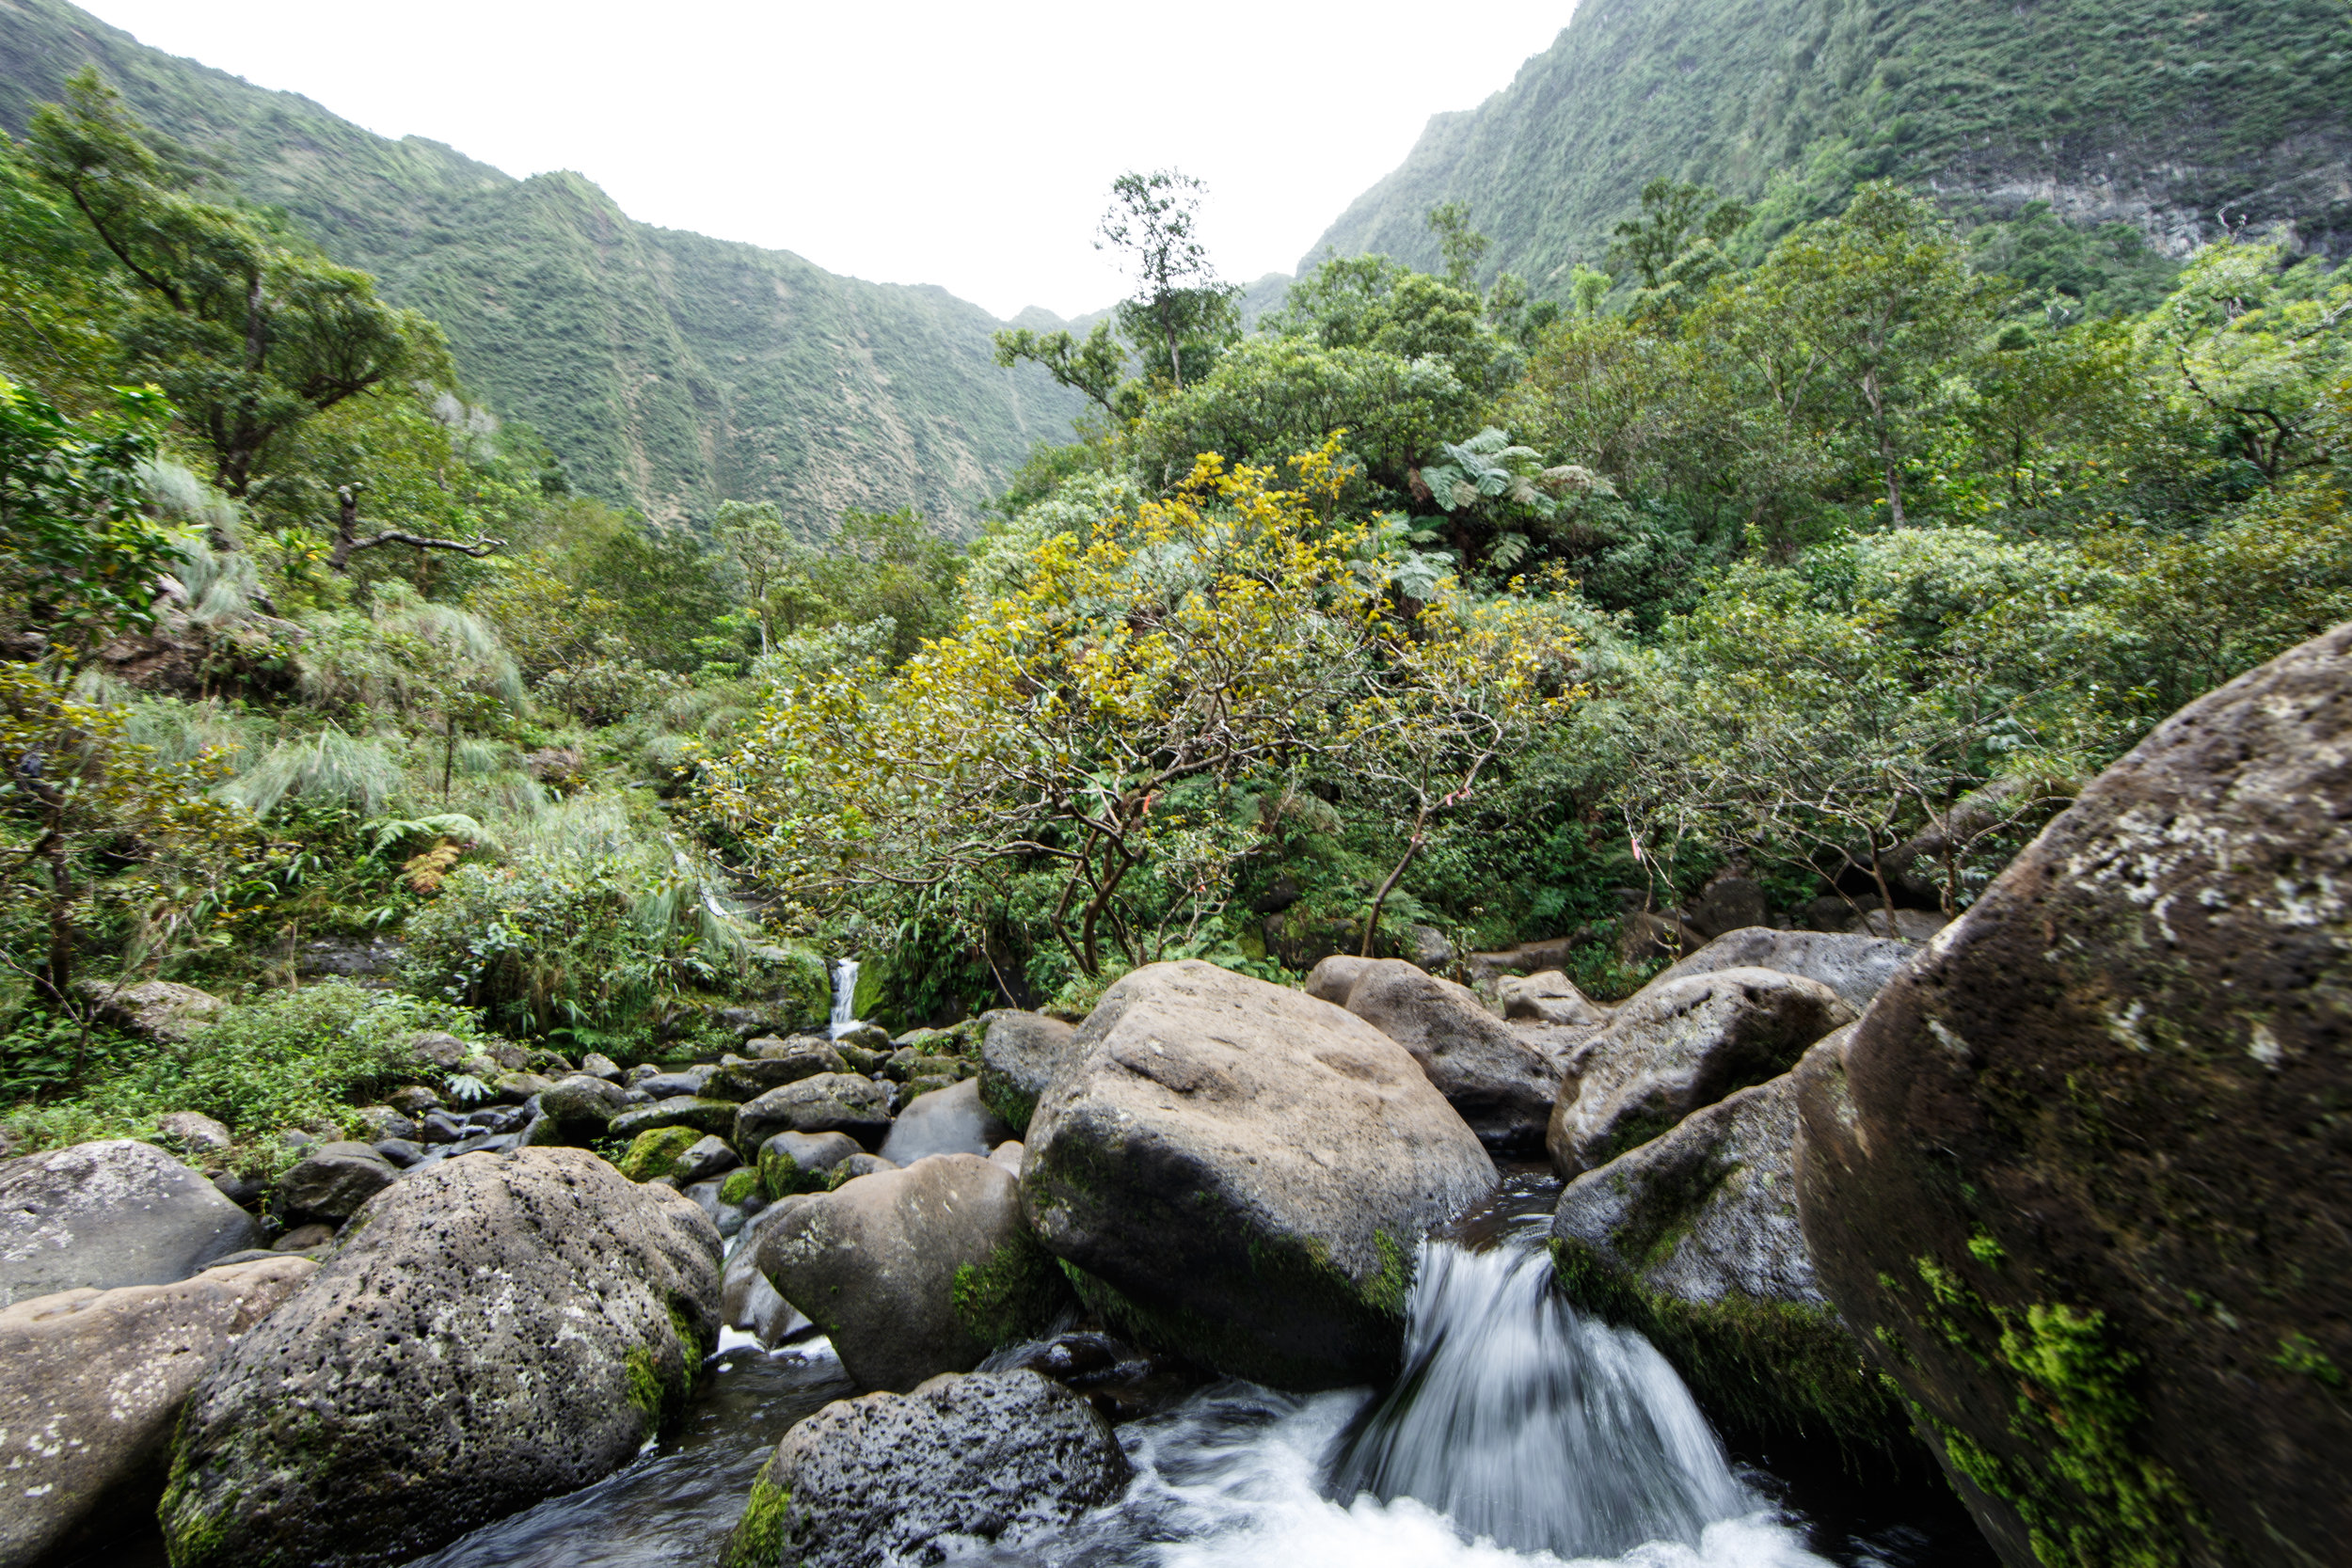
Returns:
<point x="844" y="997"/>
<point x="1519" y="1434"/>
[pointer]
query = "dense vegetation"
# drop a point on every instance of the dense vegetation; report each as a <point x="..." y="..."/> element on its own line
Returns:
<point x="666" y="371"/>
<point x="2173" y="116"/>
<point x="1430" y="615"/>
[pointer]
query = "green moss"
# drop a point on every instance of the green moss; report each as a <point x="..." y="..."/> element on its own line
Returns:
<point x="690" y="1346"/>
<point x="1761" y="1368"/>
<point x="644" y="1387"/>
<point x="2298" y="1354"/>
<point x="1003" y="1097"/>
<point x="780" y="1176"/>
<point x="758" y="1538"/>
<point x="740" y="1184"/>
<point x="655" y="1153"/>
<point x="1012" y="1296"/>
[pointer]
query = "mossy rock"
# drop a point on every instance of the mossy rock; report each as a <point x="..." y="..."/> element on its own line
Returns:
<point x="740" y="1184"/>
<point x="655" y="1154"/>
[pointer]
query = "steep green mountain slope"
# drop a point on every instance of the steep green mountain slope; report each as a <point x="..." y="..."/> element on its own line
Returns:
<point x="2176" y="115"/>
<point x="667" y="370"/>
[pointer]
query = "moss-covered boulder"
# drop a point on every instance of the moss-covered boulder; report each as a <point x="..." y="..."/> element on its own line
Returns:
<point x="699" y="1111"/>
<point x="1692" y="1238"/>
<point x="916" y="1272"/>
<point x="2081" y="1173"/>
<point x="653" y="1155"/>
<point x="1020" y="1052"/>
<point x="827" y="1102"/>
<point x="492" y="1331"/>
<point x="1241" y="1174"/>
<point x="803" y="1161"/>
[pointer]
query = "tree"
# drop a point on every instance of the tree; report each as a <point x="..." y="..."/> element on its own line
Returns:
<point x="248" y="335"/>
<point x="769" y="554"/>
<point x="1096" y="367"/>
<point x="1677" y="246"/>
<point x="1178" y="299"/>
<point x="1460" y="244"/>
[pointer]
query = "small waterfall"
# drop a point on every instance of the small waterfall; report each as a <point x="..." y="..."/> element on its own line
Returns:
<point x="844" y="997"/>
<point x="1532" y="1426"/>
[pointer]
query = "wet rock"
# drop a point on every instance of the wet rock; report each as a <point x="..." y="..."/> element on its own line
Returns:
<point x="95" y="1380"/>
<point x="652" y="1156"/>
<point x="950" y="1120"/>
<point x="584" y="1106"/>
<point x="492" y="1331"/>
<point x="1243" y="1173"/>
<point x="1550" y="997"/>
<point x="704" y="1159"/>
<point x="332" y="1182"/>
<point x="703" y="1114"/>
<point x="890" y="1479"/>
<point x="1692" y="1238"/>
<point x="747" y="1302"/>
<point x="916" y="1272"/>
<point x="157" y="1010"/>
<point x="1490" y="1074"/>
<point x="828" y="1103"/>
<point x="1856" y="967"/>
<point x="803" y="1161"/>
<point x="2081" y="1173"/>
<point x="109" y="1214"/>
<point x="1679" y="1045"/>
<point x="441" y="1127"/>
<point x="1020" y="1052"/>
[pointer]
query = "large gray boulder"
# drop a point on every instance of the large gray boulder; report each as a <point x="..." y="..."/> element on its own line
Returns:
<point x="329" y="1186"/>
<point x="916" y="1272"/>
<point x="1243" y="1173"/>
<point x="95" y="1380"/>
<point x="944" y="1121"/>
<point x="583" y="1104"/>
<point x="159" y="1010"/>
<point x="109" y="1214"/>
<point x="1856" y="967"/>
<point x="1549" y="998"/>
<point x="1020" y="1052"/>
<point x="771" y="1064"/>
<point x="699" y="1111"/>
<point x="890" y="1479"/>
<point x="1681" y="1045"/>
<point x="493" y="1330"/>
<point x="2082" y="1174"/>
<point x="1692" y="1238"/>
<point x="1497" y="1078"/>
<point x="827" y="1102"/>
<point x="747" y="1301"/>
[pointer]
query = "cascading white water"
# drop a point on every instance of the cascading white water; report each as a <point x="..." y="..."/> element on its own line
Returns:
<point x="1531" y="1426"/>
<point x="844" y="997"/>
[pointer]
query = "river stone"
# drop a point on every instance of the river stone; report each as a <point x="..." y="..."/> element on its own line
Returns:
<point x="1491" y="1073"/>
<point x="892" y="1478"/>
<point x="1692" y="1238"/>
<point x="95" y="1380"/>
<point x="916" y="1272"/>
<point x="331" y="1182"/>
<point x="828" y="1103"/>
<point x="1679" y="1045"/>
<point x="1551" y="998"/>
<point x="158" y="1011"/>
<point x="2083" y="1170"/>
<point x="492" y="1331"/>
<point x="109" y="1214"/>
<point x="1856" y="967"/>
<point x="703" y="1114"/>
<point x="800" y="1161"/>
<point x="681" y="1083"/>
<point x="583" y="1104"/>
<point x="1020" y="1052"/>
<point x="654" y="1156"/>
<point x="747" y="1078"/>
<point x="950" y="1120"/>
<point x="1243" y="1172"/>
<point x="195" y="1131"/>
<point x="444" y="1051"/>
<point x="705" y="1158"/>
<point x="746" y="1299"/>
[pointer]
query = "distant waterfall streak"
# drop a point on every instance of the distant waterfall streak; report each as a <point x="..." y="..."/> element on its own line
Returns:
<point x="844" y="996"/>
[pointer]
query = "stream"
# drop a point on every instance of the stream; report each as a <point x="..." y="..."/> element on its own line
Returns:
<point x="1519" y="1434"/>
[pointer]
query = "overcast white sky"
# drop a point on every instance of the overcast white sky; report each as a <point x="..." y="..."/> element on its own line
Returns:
<point x="968" y="145"/>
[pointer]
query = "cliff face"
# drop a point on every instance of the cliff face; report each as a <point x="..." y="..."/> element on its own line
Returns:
<point x="668" y="370"/>
<point x="2176" y="115"/>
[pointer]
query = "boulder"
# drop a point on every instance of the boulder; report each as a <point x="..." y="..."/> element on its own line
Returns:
<point x="109" y="1214"/>
<point x="683" y="1083"/>
<point x="704" y="1159"/>
<point x="95" y="1380"/>
<point x="331" y="1182"/>
<point x="194" y="1132"/>
<point x="306" y="1237"/>
<point x="1528" y="957"/>
<point x="2081" y="1175"/>
<point x="413" y="1100"/>
<point x="443" y="1050"/>
<point x="743" y="1078"/>
<point x="379" y="1123"/>
<point x="1242" y="1173"/>
<point x="1007" y="1155"/>
<point x="1730" y="904"/>
<point x="1550" y="997"/>
<point x="1020" y="1052"/>
<point x="891" y="1479"/>
<point x="747" y="1302"/>
<point x="1497" y="1080"/>
<point x="654" y="1156"/>
<point x="598" y="1065"/>
<point x="492" y="1331"/>
<point x="1856" y="967"/>
<point x="916" y="1272"/>
<point x="1643" y="937"/>
<point x="703" y="1114"/>
<point x="857" y="1164"/>
<point x="157" y="1010"/>
<point x="802" y="1162"/>
<point x="584" y="1104"/>
<point x="828" y="1103"/>
<point x="950" y="1120"/>
<point x="1679" y="1045"/>
<point x="1692" y="1238"/>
